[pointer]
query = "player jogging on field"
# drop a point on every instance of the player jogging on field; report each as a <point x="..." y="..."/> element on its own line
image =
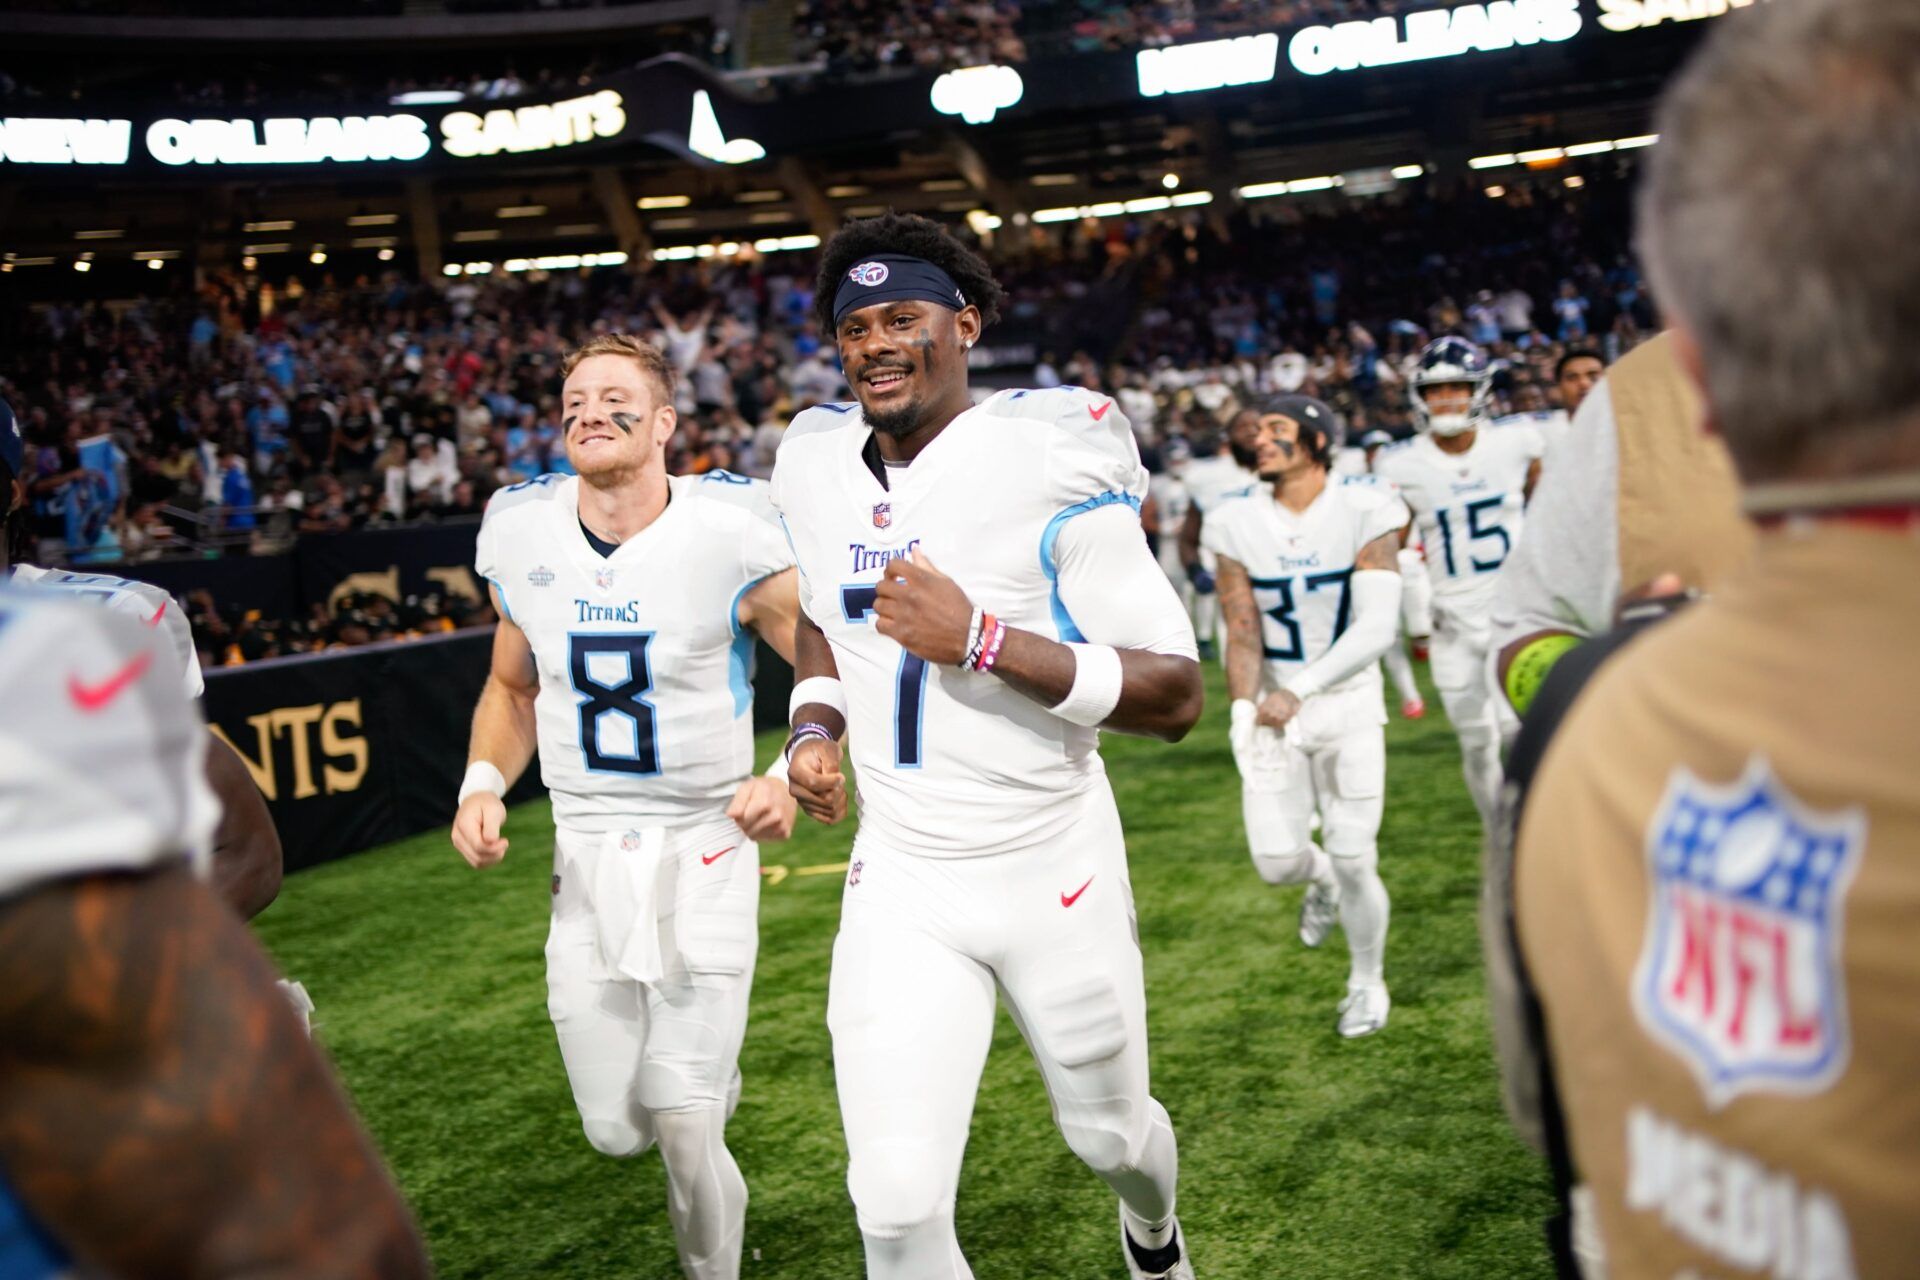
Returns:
<point x="978" y="599"/>
<point x="1310" y="593"/>
<point x="628" y="600"/>
<point x="1466" y="483"/>
<point x="160" y="1112"/>
<point x="1222" y="468"/>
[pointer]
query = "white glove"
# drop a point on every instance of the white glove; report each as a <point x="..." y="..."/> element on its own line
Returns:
<point x="1243" y="733"/>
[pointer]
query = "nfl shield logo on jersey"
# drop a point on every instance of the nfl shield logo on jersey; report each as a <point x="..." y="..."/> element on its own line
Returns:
<point x="883" y="515"/>
<point x="603" y="577"/>
<point x="1740" y="970"/>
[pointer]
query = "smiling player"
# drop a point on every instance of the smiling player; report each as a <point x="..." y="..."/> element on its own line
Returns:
<point x="979" y="600"/>
<point x="628" y="599"/>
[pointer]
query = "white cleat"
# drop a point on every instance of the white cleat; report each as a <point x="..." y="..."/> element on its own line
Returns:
<point x="1364" y="1011"/>
<point x="1319" y="912"/>
<point x="1178" y="1266"/>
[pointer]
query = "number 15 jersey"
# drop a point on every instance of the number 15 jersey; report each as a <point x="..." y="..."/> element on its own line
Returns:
<point x="1468" y="507"/>
<point x="645" y="707"/>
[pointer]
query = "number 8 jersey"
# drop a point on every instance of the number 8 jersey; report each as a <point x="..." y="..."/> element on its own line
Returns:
<point x="645" y="706"/>
<point x="1468" y="507"/>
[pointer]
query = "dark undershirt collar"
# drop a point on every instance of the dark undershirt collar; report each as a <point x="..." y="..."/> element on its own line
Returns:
<point x="606" y="548"/>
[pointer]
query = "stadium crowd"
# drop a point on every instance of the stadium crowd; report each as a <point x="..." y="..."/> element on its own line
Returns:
<point x="253" y="412"/>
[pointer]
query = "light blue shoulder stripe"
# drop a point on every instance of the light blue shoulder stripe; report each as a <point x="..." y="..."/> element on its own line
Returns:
<point x="1062" y="620"/>
<point x="740" y="651"/>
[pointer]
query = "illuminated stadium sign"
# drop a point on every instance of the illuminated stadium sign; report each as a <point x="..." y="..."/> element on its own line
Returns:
<point x="539" y="127"/>
<point x="39" y="140"/>
<point x="288" y="140"/>
<point x="977" y="94"/>
<point x="1432" y="33"/>
<point x="1638" y="15"/>
<point x="1211" y="64"/>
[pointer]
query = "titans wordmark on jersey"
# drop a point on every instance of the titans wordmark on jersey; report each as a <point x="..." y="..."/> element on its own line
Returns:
<point x="645" y="706"/>
<point x="1467" y="508"/>
<point x="151" y="605"/>
<point x="1301" y="567"/>
<point x="951" y="762"/>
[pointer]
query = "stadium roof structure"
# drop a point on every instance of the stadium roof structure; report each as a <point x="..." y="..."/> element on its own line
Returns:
<point x="673" y="158"/>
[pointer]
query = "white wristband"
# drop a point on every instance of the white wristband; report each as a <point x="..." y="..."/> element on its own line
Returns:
<point x="825" y="690"/>
<point x="482" y="776"/>
<point x="1097" y="678"/>
<point x="778" y="769"/>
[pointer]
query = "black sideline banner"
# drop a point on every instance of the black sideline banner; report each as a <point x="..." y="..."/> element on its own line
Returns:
<point x="357" y="748"/>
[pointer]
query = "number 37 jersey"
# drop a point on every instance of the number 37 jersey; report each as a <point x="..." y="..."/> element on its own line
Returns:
<point x="1468" y="508"/>
<point x="1300" y="565"/>
<point x="645" y="706"/>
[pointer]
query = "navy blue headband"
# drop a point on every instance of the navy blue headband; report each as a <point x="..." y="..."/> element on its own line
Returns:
<point x="891" y="277"/>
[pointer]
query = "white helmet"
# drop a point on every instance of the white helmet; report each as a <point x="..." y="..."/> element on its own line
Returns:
<point x="1445" y="361"/>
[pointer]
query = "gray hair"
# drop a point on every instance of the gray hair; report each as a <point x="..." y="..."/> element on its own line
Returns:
<point x="1779" y="220"/>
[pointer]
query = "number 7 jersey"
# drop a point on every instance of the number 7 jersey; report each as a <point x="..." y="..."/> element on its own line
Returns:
<point x="645" y="705"/>
<point x="1468" y="508"/>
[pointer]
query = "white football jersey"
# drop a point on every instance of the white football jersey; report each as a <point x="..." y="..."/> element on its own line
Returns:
<point x="1467" y="509"/>
<point x="1301" y="567"/>
<point x="645" y="710"/>
<point x="1211" y="481"/>
<point x="1552" y="424"/>
<point x="1349" y="462"/>
<point x="102" y="756"/>
<point x="953" y="763"/>
<point x="151" y="605"/>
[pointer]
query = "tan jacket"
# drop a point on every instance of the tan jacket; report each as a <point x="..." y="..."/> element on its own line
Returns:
<point x="1718" y="901"/>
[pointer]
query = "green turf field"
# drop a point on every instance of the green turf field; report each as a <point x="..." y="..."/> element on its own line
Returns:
<point x="1301" y="1155"/>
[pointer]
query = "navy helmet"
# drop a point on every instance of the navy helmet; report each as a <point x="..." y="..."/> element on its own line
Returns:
<point x="1448" y="361"/>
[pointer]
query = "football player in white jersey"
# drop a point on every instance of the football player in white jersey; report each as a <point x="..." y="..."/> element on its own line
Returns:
<point x="160" y="1112"/>
<point x="1467" y="484"/>
<point x="977" y="602"/>
<point x="247" y="866"/>
<point x="628" y="602"/>
<point x="1171" y="502"/>
<point x="1310" y="592"/>
<point x="1217" y="472"/>
<point x="1576" y="373"/>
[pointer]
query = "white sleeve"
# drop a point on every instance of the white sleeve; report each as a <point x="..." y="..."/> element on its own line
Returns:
<point x="765" y="549"/>
<point x="180" y="638"/>
<point x="82" y="791"/>
<point x="1370" y="633"/>
<point x="1110" y="587"/>
<point x="1564" y="573"/>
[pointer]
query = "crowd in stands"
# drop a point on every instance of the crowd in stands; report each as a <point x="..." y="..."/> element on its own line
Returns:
<point x="251" y="413"/>
<point x="854" y="38"/>
<point x="1090" y="26"/>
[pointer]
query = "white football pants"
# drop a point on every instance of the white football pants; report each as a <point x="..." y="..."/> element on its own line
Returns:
<point x="924" y="945"/>
<point x="1331" y="760"/>
<point x="1459" y="665"/>
<point x="654" y="1061"/>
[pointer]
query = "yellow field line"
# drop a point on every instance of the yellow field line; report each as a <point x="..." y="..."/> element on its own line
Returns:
<point x="775" y="873"/>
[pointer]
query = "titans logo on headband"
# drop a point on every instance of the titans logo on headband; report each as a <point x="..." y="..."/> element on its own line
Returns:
<point x="869" y="274"/>
<point x="1739" y="973"/>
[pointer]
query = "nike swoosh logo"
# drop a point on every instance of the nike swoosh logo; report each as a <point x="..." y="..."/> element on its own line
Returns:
<point x="1101" y="412"/>
<point x="158" y="614"/>
<point x="708" y="859"/>
<point x="1068" y="899"/>
<point x="93" y="697"/>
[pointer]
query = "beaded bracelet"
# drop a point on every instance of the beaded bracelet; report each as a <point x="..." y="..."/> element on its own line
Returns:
<point x="801" y="732"/>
